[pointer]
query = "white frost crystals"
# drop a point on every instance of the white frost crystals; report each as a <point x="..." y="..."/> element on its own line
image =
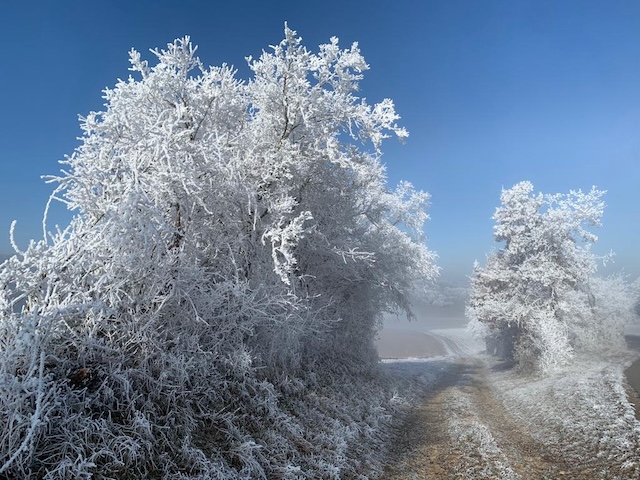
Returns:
<point x="537" y="294"/>
<point x="216" y="296"/>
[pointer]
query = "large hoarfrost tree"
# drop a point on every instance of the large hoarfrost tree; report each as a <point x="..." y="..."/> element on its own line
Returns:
<point x="535" y="290"/>
<point x="229" y="236"/>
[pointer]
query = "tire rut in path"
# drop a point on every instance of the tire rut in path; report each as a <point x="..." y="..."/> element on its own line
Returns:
<point x="526" y="456"/>
<point x="421" y="448"/>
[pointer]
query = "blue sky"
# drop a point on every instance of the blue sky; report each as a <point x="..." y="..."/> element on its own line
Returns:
<point x="492" y="92"/>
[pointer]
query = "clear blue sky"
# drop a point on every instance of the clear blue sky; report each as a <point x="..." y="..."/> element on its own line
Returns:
<point x="492" y="92"/>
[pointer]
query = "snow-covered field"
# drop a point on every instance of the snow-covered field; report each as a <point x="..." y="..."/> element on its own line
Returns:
<point x="435" y="332"/>
<point x="458" y="341"/>
<point x="632" y="330"/>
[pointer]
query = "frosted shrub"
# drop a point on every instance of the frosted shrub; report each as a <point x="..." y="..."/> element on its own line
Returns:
<point x="545" y="345"/>
<point x="233" y="247"/>
<point x="598" y="326"/>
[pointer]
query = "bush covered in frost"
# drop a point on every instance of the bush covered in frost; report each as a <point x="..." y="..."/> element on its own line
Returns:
<point x="209" y="312"/>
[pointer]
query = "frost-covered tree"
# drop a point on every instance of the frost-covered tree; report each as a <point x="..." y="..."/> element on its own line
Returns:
<point x="234" y="246"/>
<point x="537" y="286"/>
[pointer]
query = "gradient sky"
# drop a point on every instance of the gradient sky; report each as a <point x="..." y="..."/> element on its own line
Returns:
<point x="492" y="92"/>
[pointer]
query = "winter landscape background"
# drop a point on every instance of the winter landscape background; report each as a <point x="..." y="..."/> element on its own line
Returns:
<point x="227" y="274"/>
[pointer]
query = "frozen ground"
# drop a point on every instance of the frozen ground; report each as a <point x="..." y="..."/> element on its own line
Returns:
<point x="477" y="419"/>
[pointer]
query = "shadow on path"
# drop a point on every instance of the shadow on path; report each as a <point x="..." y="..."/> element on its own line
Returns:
<point x="424" y="428"/>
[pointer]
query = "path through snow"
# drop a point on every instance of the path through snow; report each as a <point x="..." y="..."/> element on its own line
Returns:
<point x="467" y="428"/>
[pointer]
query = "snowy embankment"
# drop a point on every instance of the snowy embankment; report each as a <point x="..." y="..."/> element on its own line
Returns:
<point x="582" y="412"/>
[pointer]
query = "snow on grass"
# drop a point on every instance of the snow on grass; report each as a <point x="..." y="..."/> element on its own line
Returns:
<point x="581" y="412"/>
<point x="472" y="440"/>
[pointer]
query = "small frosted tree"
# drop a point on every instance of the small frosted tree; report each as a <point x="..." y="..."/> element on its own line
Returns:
<point x="533" y="290"/>
<point x="231" y="239"/>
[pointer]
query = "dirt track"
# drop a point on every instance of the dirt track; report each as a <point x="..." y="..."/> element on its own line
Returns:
<point x="462" y="431"/>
